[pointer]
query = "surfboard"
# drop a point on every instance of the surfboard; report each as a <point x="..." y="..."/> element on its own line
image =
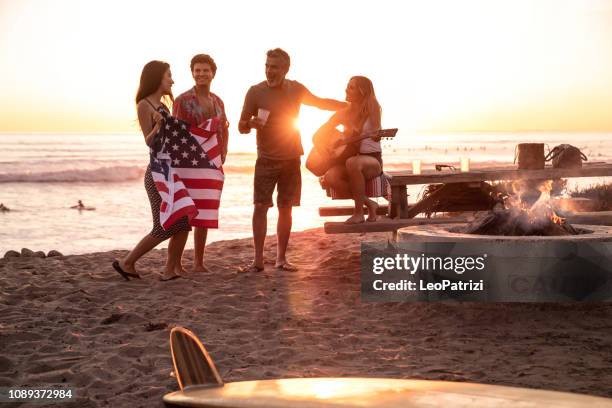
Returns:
<point x="192" y="363"/>
<point x="201" y="386"/>
<point x="373" y="392"/>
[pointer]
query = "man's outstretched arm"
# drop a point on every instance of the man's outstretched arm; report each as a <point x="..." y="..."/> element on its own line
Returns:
<point x="323" y="103"/>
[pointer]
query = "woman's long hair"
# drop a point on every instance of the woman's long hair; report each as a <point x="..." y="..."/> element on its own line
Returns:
<point x="368" y="107"/>
<point x="151" y="78"/>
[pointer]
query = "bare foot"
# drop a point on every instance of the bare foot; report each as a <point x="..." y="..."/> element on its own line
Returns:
<point x="200" y="268"/>
<point x="372" y="209"/>
<point x="181" y="271"/>
<point x="285" y="266"/>
<point x="251" y="268"/>
<point x="355" y="219"/>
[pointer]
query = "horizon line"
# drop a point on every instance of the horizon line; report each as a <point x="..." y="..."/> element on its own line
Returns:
<point x="418" y="131"/>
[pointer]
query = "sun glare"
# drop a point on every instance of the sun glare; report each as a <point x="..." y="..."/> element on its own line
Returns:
<point x="309" y="121"/>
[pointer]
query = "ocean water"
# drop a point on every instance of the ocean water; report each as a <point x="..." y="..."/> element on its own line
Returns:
<point x="42" y="175"/>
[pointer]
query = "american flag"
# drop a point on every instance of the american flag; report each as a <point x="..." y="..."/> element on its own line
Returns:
<point x="186" y="166"/>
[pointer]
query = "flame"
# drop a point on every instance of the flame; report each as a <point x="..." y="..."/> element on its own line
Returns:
<point x="538" y="212"/>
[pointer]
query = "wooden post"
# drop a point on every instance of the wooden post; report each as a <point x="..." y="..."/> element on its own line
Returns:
<point x="403" y="192"/>
<point x="399" y="201"/>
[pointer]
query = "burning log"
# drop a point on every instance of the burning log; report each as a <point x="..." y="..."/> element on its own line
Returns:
<point x="509" y="223"/>
<point x="526" y="213"/>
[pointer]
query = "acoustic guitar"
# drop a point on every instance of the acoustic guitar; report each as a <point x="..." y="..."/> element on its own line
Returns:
<point x="334" y="147"/>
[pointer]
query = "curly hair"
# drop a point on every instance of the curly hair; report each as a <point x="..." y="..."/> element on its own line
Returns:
<point x="204" y="59"/>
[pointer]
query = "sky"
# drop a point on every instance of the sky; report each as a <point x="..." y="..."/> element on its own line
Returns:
<point x="437" y="66"/>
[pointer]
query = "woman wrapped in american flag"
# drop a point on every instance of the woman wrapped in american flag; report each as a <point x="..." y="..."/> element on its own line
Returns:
<point x="155" y="86"/>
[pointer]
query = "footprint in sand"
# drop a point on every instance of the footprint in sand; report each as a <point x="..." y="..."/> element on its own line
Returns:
<point x="6" y="364"/>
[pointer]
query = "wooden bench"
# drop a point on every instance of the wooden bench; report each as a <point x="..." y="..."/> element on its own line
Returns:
<point x="338" y="211"/>
<point x="385" y="224"/>
<point x="400" y="214"/>
<point x="400" y="179"/>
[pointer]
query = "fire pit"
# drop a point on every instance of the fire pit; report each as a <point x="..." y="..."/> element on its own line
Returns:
<point x="521" y="250"/>
<point x="525" y="268"/>
<point x="456" y="233"/>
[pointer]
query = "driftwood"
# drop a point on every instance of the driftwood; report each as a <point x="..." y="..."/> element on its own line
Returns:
<point x="447" y="197"/>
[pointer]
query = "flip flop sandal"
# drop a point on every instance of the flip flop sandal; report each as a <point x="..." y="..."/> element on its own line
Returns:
<point x="126" y="275"/>
<point x="287" y="267"/>
<point x="161" y="278"/>
<point x="250" y="269"/>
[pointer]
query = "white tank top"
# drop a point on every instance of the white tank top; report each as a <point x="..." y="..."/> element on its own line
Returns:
<point x="369" y="145"/>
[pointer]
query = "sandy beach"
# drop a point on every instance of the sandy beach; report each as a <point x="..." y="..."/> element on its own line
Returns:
<point x="72" y="320"/>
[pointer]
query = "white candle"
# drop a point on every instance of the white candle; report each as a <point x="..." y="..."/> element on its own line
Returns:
<point x="416" y="166"/>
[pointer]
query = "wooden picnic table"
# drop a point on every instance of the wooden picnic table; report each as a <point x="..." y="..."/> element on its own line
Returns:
<point x="398" y="205"/>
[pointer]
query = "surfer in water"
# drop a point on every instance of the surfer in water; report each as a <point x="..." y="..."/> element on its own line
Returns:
<point x="4" y="208"/>
<point x="80" y="206"/>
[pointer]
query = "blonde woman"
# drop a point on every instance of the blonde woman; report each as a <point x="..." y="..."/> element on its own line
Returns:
<point x="363" y="115"/>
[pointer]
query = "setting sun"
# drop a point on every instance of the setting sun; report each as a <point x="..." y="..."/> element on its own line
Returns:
<point x="448" y="66"/>
<point x="309" y="121"/>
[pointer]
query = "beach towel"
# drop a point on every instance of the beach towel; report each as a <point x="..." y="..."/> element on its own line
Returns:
<point x="376" y="187"/>
<point x="186" y="166"/>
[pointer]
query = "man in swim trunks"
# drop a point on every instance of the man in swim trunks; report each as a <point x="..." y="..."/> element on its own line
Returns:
<point x="272" y="108"/>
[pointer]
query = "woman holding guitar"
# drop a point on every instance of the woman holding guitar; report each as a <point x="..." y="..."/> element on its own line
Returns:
<point x="365" y="155"/>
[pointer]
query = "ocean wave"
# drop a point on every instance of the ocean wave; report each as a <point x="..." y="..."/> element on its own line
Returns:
<point x="107" y="174"/>
<point x="101" y="174"/>
<point x="240" y="169"/>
